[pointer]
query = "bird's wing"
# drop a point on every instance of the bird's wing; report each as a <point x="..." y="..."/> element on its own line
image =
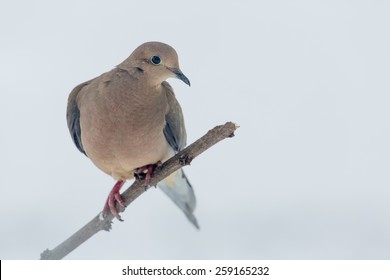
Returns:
<point x="176" y="186"/>
<point x="174" y="131"/>
<point x="73" y="116"/>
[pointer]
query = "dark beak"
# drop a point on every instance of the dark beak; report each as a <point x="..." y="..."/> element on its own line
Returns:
<point x="180" y="75"/>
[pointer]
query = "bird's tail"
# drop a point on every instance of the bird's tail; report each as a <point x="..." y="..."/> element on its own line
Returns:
<point x="179" y="189"/>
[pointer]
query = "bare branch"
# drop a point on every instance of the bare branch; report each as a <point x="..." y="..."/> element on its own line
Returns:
<point x="181" y="159"/>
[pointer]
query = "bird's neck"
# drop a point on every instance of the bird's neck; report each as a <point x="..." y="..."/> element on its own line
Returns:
<point x="137" y="98"/>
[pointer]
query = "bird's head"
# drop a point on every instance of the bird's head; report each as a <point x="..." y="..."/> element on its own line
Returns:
<point x="157" y="60"/>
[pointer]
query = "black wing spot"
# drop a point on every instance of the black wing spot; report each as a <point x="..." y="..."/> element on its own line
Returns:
<point x="75" y="129"/>
<point x="170" y="137"/>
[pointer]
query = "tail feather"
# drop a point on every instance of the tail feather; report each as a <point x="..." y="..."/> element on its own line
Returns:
<point x="179" y="189"/>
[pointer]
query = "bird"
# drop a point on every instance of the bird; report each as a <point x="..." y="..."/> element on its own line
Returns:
<point x="127" y="121"/>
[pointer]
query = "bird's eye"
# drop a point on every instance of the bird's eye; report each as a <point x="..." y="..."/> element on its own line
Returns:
<point x="156" y="60"/>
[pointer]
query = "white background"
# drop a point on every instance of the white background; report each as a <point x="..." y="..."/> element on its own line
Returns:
<point x="306" y="177"/>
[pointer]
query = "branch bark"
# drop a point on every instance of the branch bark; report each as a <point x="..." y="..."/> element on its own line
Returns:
<point x="181" y="159"/>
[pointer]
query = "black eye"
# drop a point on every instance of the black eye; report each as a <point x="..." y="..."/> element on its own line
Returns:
<point x="156" y="60"/>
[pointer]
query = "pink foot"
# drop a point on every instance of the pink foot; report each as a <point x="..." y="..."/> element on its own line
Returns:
<point x="112" y="197"/>
<point x="148" y="170"/>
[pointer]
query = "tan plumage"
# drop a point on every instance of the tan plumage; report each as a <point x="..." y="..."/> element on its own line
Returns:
<point x="129" y="118"/>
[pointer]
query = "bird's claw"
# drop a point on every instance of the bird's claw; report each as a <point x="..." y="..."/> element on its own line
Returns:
<point x="146" y="172"/>
<point x="114" y="196"/>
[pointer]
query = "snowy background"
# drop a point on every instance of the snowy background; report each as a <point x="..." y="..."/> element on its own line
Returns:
<point x="306" y="177"/>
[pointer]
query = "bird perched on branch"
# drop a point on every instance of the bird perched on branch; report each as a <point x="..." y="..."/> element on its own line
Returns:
<point x="127" y="121"/>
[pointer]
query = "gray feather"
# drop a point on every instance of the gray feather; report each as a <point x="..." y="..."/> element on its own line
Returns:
<point x="174" y="131"/>
<point x="182" y="194"/>
<point x="73" y="117"/>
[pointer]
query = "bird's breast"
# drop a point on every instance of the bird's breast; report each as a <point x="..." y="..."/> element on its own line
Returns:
<point x="121" y="133"/>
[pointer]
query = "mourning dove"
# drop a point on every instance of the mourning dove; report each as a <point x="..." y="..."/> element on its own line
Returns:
<point x="127" y="120"/>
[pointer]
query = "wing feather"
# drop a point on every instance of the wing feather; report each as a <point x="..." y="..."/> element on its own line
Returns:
<point x="73" y="117"/>
<point x="174" y="131"/>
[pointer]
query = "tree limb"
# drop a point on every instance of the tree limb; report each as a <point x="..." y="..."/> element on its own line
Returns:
<point x="181" y="159"/>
